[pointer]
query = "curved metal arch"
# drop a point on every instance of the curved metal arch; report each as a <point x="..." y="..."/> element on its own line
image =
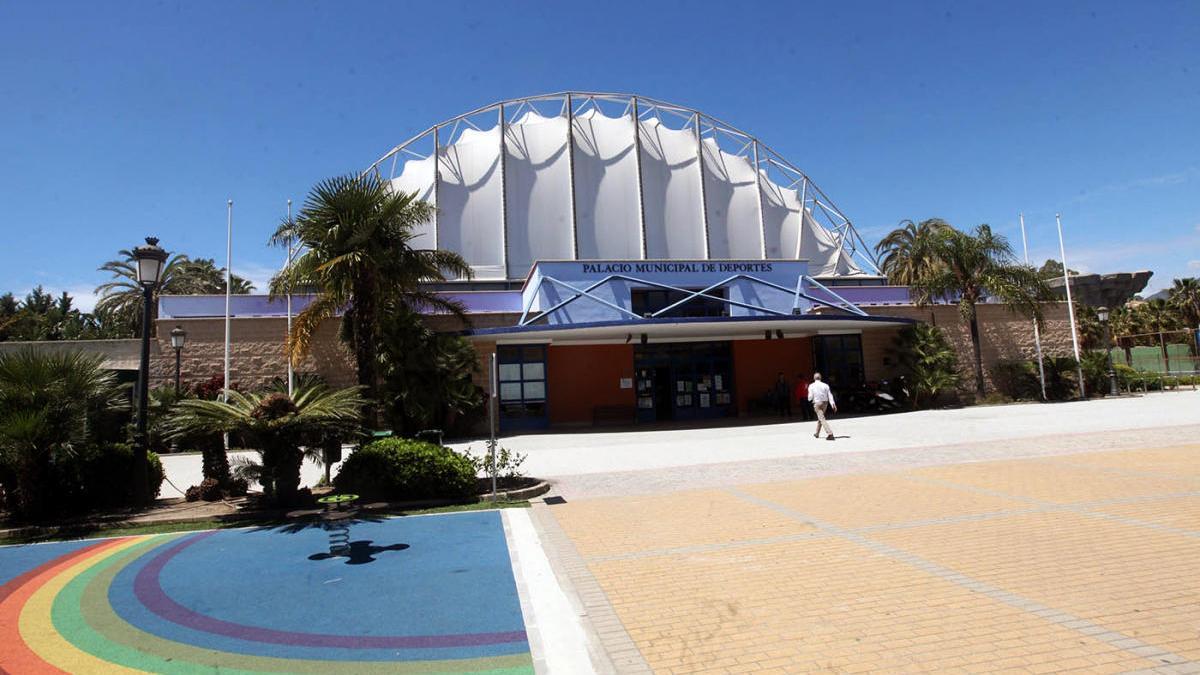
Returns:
<point x="843" y="229"/>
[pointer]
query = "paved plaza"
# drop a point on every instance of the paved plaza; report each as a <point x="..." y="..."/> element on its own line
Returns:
<point x="1070" y="552"/>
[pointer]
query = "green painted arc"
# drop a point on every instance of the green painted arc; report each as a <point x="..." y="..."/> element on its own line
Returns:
<point x="82" y="615"/>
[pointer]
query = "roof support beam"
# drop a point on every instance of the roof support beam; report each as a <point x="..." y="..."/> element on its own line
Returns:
<point x="703" y="196"/>
<point x="637" y="150"/>
<point x="437" y="179"/>
<point x="762" y="220"/>
<point x="503" y="192"/>
<point x="571" y="177"/>
<point x="802" y="228"/>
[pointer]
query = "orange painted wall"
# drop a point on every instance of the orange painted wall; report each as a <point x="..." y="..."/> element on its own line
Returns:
<point x="582" y="377"/>
<point x="756" y="363"/>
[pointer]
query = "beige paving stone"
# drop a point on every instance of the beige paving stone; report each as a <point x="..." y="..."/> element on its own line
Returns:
<point x="878" y="499"/>
<point x="1137" y="581"/>
<point x="1182" y="461"/>
<point x="1054" y="483"/>
<point x="700" y="517"/>
<point x="820" y="604"/>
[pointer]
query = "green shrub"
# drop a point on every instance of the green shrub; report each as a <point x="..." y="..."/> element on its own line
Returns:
<point x="399" y="469"/>
<point x="1017" y="380"/>
<point x="107" y="472"/>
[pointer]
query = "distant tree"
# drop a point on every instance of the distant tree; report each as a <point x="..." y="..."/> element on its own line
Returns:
<point x="1053" y="269"/>
<point x="1185" y="298"/>
<point x="907" y="251"/>
<point x="971" y="268"/>
<point x="121" y="297"/>
<point x="203" y="277"/>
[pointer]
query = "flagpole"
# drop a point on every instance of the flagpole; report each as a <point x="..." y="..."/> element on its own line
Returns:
<point x="290" y="370"/>
<point x="1037" y="338"/>
<point x="1062" y="251"/>
<point x="225" y="394"/>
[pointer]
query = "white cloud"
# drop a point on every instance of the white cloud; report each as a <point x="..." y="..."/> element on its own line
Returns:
<point x="1194" y="264"/>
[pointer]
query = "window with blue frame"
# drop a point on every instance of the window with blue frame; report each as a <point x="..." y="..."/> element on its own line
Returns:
<point x="522" y="378"/>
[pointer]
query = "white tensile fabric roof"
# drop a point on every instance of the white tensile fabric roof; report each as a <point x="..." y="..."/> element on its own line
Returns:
<point x="605" y="188"/>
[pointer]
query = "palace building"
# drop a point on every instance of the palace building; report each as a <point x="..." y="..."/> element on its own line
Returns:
<point x="634" y="261"/>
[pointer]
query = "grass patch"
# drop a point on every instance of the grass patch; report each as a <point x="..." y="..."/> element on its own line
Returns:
<point x="95" y="532"/>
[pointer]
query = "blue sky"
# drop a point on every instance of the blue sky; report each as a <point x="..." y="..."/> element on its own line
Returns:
<point x="125" y="119"/>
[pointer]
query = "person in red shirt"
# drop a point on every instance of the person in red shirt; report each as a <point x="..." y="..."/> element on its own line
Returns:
<point x="801" y="397"/>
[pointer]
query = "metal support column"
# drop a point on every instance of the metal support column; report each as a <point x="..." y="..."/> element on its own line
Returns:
<point x="762" y="220"/>
<point x="503" y="192"/>
<point x="437" y="179"/>
<point x="637" y="150"/>
<point x="571" y="176"/>
<point x="803" y="212"/>
<point x="703" y="194"/>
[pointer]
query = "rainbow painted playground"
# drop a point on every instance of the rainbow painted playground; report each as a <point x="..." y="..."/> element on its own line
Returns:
<point x="414" y="594"/>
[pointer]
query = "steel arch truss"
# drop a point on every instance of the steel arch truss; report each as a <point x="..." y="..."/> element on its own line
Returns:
<point x="572" y="105"/>
<point x="801" y="291"/>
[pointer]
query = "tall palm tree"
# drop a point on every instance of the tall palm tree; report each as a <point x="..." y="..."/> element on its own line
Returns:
<point x="275" y="425"/>
<point x="1159" y="316"/>
<point x="121" y="298"/>
<point x="357" y="236"/>
<point x="1185" y="297"/>
<point x="45" y="402"/>
<point x="970" y="268"/>
<point x="907" y="250"/>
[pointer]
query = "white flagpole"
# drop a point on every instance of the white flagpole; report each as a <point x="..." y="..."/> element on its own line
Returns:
<point x="228" y="284"/>
<point x="228" y="288"/>
<point x="1062" y="251"/>
<point x="1037" y="338"/>
<point x="290" y="371"/>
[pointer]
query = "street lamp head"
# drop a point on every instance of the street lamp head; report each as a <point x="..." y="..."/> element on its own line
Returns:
<point x="178" y="337"/>
<point x="1102" y="314"/>
<point x="150" y="259"/>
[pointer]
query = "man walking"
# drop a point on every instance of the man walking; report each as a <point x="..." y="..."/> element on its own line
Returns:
<point x="821" y="398"/>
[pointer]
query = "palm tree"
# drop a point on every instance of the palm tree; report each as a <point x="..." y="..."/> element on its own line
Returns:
<point x="1185" y="297"/>
<point x="928" y="359"/>
<point x="357" y="236"/>
<point x="907" y="251"/>
<point x="275" y="425"/>
<point x="1159" y="316"/>
<point x="46" y="400"/>
<point x="121" y="298"/>
<point x="972" y="268"/>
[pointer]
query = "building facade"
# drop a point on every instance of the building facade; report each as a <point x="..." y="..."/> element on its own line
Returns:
<point x="634" y="261"/>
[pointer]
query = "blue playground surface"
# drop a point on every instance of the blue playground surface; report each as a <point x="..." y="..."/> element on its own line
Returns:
<point x="411" y="594"/>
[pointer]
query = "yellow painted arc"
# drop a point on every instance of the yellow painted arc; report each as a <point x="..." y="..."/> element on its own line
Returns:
<point x="37" y="627"/>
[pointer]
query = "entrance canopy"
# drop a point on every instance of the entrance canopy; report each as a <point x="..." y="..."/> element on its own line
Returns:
<point x="685" y="329"/>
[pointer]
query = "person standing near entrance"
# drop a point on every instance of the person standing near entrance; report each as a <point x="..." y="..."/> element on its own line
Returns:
<point x="821" y="397"/>
<point x="801" y="396"/>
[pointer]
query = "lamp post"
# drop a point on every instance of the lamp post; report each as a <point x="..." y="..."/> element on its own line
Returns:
<point x="1102" y="314"/>
<point x="178" y="337"/>
<point x="150" y="260"/>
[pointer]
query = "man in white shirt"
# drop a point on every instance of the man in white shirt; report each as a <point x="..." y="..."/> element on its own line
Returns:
<point x="821" y="398"/>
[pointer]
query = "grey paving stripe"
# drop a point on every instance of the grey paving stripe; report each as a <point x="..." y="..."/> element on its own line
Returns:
<point x="1056" y="616"/>
<point x="707" y="548"/>
<point x="621" y="654"/>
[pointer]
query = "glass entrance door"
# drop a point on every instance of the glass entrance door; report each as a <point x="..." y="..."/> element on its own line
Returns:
<point x="684" y="381"/>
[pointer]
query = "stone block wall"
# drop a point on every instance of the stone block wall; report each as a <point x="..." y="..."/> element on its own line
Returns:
<point x="1004" y="336"/>
<point x="256" y="353"/>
